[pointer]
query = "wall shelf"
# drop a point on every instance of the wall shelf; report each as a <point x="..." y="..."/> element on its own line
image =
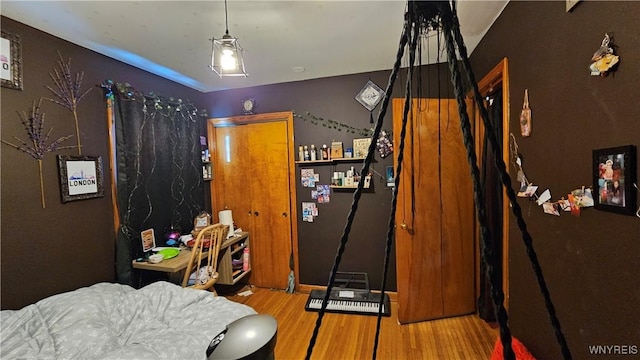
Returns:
<point x="207" y="166"/>
<point x="314" y="162"/>
<point x="331" y="161"/>
<point x="345" y="187"/>
<point x="351" y="159"/>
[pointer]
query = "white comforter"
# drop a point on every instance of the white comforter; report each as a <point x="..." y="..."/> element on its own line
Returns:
<point x="112" y="321"/>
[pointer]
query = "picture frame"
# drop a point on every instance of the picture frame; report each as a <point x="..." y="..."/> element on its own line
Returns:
<point x="81" y="177"/>
<point x="148" y="240"/>
<point x="11" y="61"/>
<point x="336" y="150"/>
<point x="370" y="95"/>
<point x="614" y="176"/>
<point x="201" y="221"/>
<point x="570" y="4"/>
<point x="361" y="147"/>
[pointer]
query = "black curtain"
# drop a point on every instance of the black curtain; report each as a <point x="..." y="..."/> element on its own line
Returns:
<point x="158" y="170"/>
<point x="492" y="187"/>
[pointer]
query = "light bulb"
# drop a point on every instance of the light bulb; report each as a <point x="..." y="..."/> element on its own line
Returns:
<point x="228" y="60"/>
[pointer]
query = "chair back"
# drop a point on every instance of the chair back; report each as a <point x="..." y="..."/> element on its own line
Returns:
<point x="204" y="257"/>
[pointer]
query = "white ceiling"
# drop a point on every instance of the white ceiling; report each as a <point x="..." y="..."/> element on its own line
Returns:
<point x="171" y="38"/>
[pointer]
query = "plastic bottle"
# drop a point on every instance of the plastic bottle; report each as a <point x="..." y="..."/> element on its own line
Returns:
<point x="300" y="153"/>
<point x="313" y="153"/>
<point x="325" y="152"/>
<point x="245" y="259"/>
<point x="306" y="153"/>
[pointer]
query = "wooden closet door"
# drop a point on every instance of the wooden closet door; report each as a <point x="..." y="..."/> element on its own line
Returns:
<point x="268" y="178"/>
<point x="434" y="217"/>
<point x="230" y="174"/>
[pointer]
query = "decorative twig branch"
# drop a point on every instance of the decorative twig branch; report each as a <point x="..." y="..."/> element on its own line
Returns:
<point x="33" y="123"/>
<point x="67" y="92"/>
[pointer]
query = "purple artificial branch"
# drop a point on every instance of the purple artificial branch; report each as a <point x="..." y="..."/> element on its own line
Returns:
<point x="34" y="125"/>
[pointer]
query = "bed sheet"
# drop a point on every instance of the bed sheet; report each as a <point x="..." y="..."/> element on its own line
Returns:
<point x="112" y="321"/>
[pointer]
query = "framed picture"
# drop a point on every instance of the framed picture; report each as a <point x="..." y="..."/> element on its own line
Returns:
<point x="614" y="173"/>
<point x="148" y="240"/>
<point x="361" y="147"/>
<point x="336" y="150"/>
<point x="80" y="177"/>
<point x="370" y="95"/>
<point x="11" y="60"/>
<point x="201" y="221"/>
<point x="570" y="4"/>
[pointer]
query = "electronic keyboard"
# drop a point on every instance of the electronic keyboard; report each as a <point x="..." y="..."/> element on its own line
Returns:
<point x="349" y="302"/>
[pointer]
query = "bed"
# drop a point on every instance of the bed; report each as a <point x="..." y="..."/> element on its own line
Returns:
<point x="112" y="321"/>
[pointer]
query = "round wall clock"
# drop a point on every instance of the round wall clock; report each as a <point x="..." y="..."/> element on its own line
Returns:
<point x="248" y="105"/>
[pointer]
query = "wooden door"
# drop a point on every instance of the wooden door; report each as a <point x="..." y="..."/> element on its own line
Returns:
<point x="252" y="178"/>
<point x="434" y="217"/>
<point x="230" y="175"/>
<point x="269" y="186"/>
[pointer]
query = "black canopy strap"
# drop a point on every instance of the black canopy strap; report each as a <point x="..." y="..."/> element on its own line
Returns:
<point x="424" y="16"/>
<point x="394" y="199"/>
<point x="506" y="181"/>
<point x="358" y="192"/>
<point x="486" y="240"/>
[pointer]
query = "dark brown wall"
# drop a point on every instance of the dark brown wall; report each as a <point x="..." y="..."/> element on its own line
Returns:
<point x="334" y="98"/>
<point x="330" y="98"/>
<point x="63" y="246"/>
<point x="591" y="263"/>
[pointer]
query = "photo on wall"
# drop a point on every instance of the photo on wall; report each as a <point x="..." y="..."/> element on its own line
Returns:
<point x="391" y="179"/>
<point x="614" y="174"/>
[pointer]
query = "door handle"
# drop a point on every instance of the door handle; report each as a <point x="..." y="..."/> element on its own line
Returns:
<point x="256" y="213"/>
<point x="406" y="228"/>
<point x="284" y="214"/>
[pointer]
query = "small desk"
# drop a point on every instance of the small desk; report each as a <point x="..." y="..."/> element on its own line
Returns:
<point x="179" y="263"/>
<point x="172" y="265"/>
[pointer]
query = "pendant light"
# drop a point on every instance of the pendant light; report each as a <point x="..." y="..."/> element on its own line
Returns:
<point x="226" y="53"/>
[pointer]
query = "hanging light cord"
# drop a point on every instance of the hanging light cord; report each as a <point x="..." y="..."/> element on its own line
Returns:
<point x="226" y="19"/>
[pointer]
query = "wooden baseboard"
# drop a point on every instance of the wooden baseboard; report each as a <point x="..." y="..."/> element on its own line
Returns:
<point x="306" y="289"/>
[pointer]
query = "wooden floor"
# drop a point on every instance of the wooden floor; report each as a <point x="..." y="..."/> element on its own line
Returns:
<point x="350" y="337"/>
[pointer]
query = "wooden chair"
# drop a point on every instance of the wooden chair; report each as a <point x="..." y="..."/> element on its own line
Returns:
<point x="203" y="262"/>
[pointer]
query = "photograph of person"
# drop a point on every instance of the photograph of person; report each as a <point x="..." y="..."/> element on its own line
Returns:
<point x="148" y="240"/>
